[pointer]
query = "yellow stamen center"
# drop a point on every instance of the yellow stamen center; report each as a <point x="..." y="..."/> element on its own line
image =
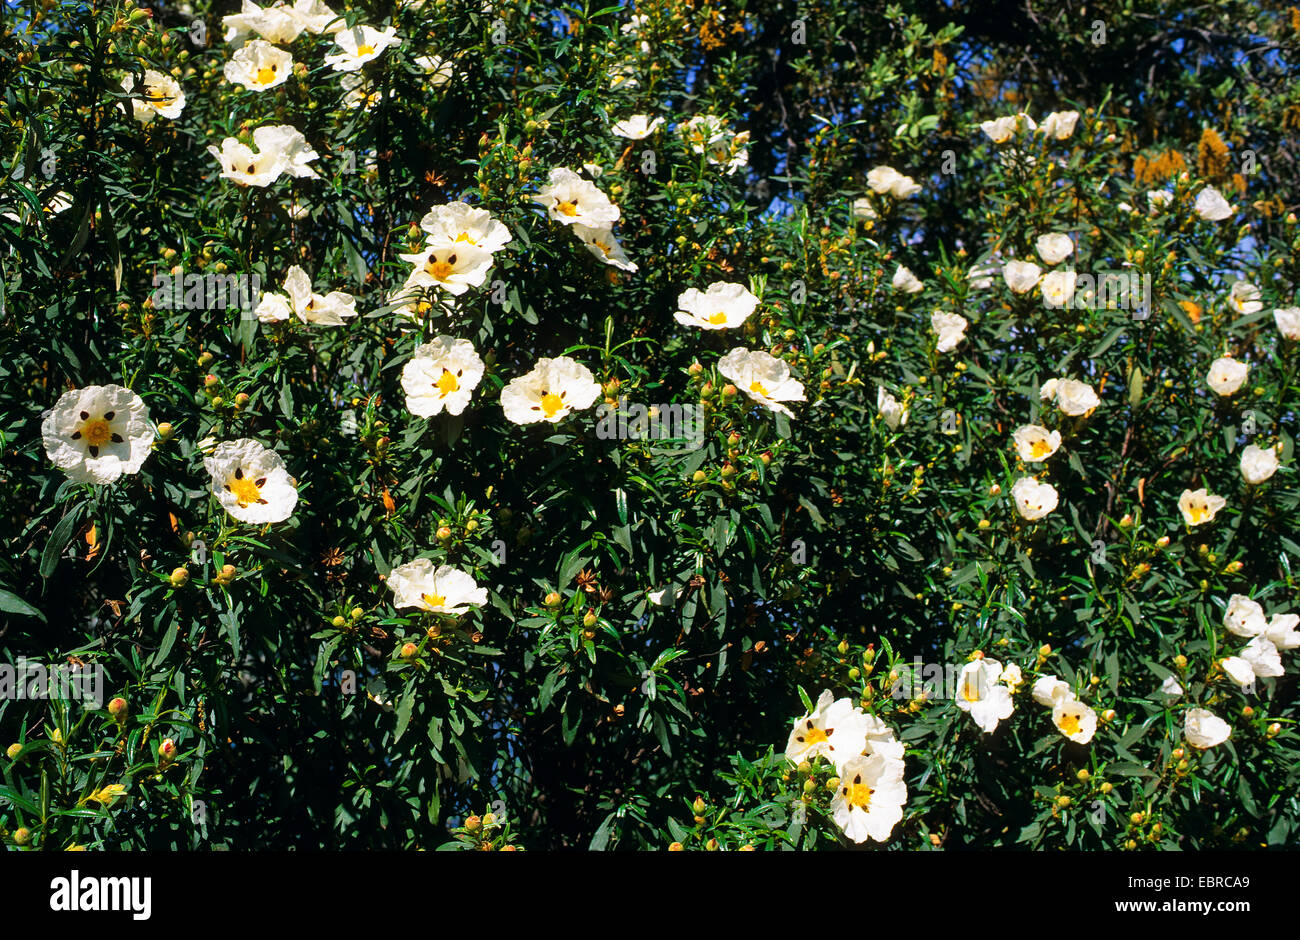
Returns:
<point x="439" y="270"/>
<point x="815" y="736"/>
<point x="858" y="794"/>
<point x="1069" y="723"/>
<point x="266" y="75"/>
<point x="970" y="690"/>
<point x="434" y="600"/>
<point x="365" y="50"/>
<point x="96" y="433"/>
<point x="447" y="383"/>
<point x="246" y="491"/>
<point x="758" y="389"/>
<point x="567" y="208"/>
<point x="1198" y="511"/>
<point x="718" y="317"/>
<point x="551" y="403"/>
<point x="1039" y="448"/>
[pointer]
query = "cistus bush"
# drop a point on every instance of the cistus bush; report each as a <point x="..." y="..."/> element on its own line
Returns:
<point x="696" y="424"/>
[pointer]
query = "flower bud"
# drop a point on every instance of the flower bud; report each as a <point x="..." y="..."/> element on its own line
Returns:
<point x="1136" y="819"/>
<point x="357" y="613"/>
<point x="179" y="576"/>
<point x="589" y="620"/>
<point x="408" y="651"/>
<point x="13" y="751"/>
<point x="699" y="806"/>
<point x="118" y="709"/>
<point x="167" y="750"/>
<point x="472" y="823"/>
<point x="1106" y="787"/>
<point x="1274" y="729"/>
<point x="1162" y="542"/>
<point x="489" y="820"/>
<point x="1083" y="775"/>
<point x="22" y="835"/>
<point x="1108" y="715"/>
<point x="1063" y="801"/>
<point x="444" y="533"/>
<point x="165" y="431"/>
<point x="338" y="621"/>
<point x="210" y="380"/>
<point x="1180" y="661"/>
<point x="553" y="599"/>
<point x="676" y="847"/>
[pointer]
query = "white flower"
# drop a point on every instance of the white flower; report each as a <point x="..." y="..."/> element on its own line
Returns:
<point x="1244" y="617"/>
<point x="1054" y="247"/>
<point x="1012" y="676"/>
<point x="657" y="597"/>
<point x="310" y="307"/>
<point x="895" y="414"/>
<point x="1244" y="297"/>
<point x="553" y="389"/>
<point x="276" y="23"/>
<point x="359" y="91"/>
<point x="1159" y="199"/>
<point x="250" y="482"/>
<point x="1259" y="659"/>
<point x="907" y="282"/>
<point x="1203" y="729"/>
<point x="280" y="149"/>
<point x="442" y="374"/>
<point x="455" y="268"/>
<point x="862" y="209"/>
<point x="316" y="17"/>
<point x="1074" y="719"/>
<point x="572" y="200"/>
<point x="359" y="46"/>
<point x="1282" y="633"/>
<point x="1004" y="128"/>
<point x="1033" y="499"/>
<point x="460" y="223"/>
<point x="869" y="801"/>
<point x="1170" y="688"/>
<point x="1072" y="397"/>
<point x="636" y="127"/>
<point x="1199" y="506"/>
<point x="273" y="308"/>
<point x="981" y="276"/>
<point x="722" y="306"/>
<point x="1059" y="124"/>
<point x="604" y="246"/>
<point x="1211" y="206"/>
<point x="763" y="377"/>
<point x="834" y="729"/>
<point x="443" y="590"/>
<point x="980" y="694"/>
<point x="162" y="97"/>
<point x="1021" y="276"/>
<point x="1049" y="689"/>
<point x="439" y="70"/>
<point x="1058" y="288"/>
<point x="885" y="179"/>
<point x="1035" y="443"/>
<point x="1226" y="375"/>
<point x="1288" y="321"/>
<point x="706" y="134"/>
<point x="950" y="328"/>
<point x="1258" y="463"/>
<point x="97" y="433"/>
<point x="258" y="65"/>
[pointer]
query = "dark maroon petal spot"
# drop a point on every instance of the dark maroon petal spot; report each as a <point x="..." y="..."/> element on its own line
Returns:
<point x="85" y="415"/>
<point x="117" y="438"/>
<point x="76" y="436"/>
<point x="260" y="483"/>
<point x="94" y="451"/>
<point x="239" y="473"/>
<point x="108" y="415"/>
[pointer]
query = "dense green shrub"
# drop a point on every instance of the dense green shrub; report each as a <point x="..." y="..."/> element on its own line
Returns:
<point x="649" y="616"/>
